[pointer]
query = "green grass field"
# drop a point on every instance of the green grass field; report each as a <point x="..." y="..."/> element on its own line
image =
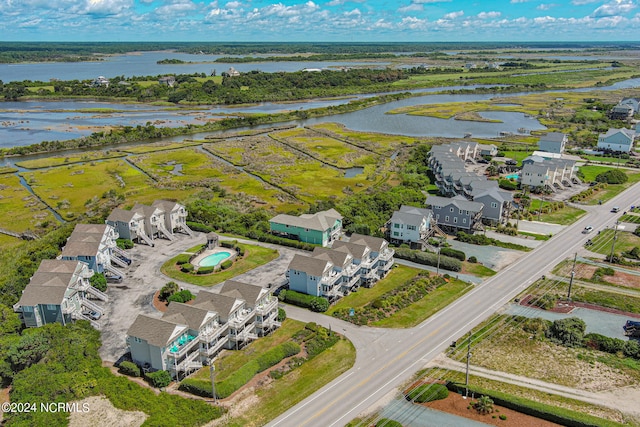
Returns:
<point x="625" y="241"/>
<point x="20" y="210"/>
<point x="61" y="160"/>
<point x="254" y="256"/>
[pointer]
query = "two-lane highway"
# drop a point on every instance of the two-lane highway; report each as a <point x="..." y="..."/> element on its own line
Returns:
<point x="388" y="360"/>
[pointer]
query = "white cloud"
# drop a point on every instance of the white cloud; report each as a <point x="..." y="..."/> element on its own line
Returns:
<point x="341" y="2"/>
<point x="431" y="1"/>
<point x="413" y="7"/>
<point x="581" y="2"/>
<point x="106" y="7"/>
<point x="489" y="15"/>
<point x="454" y="15"/>
<point x="617" y="7"/>
<point x="519" y="1"/>
<point x="545" y="6"/>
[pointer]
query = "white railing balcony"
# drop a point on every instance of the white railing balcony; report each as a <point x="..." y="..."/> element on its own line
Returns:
<point x="242" y="317"/>
<point x="387" y="265"/>
<point x="177" y="351"/>
<point x="351" y="281"/>
<point x="268" y="321"/>
<point x="217" y="331"/>
<point x="185" y="364"/>
<point x="369" y="274"/>
<point x="386" y="254"/>
<point x="332" y="292"/>
<point x="351" y="270"/>
<point x="331" y="280"/>
<point x="270" y="305"/>
<point x="243" y="335"/>
<point x="211" y="349"/>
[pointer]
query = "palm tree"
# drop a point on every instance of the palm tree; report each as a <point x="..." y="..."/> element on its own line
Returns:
<point x="484" y="405"/>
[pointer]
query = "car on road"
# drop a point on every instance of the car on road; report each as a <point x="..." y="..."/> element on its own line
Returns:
<point x="615" y="209"/>
<point x="588" y="229"/>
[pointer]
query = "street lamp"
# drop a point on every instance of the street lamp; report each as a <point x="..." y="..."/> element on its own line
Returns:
<point x="212" y="373"/>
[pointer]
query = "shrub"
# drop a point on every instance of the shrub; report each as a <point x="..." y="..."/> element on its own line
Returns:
<point x="229" y="244"/>
<point x="99" y="282"/>
<point x="226" y="264"/>
<point x="473" y="259"/>
<point x="613" y="176"/>
<point x="197" y="387"/>
<point x="129" y="368"/>
<point x="453" y="253"/>
<point x="508" y="184"/>
<point x="196" y="226"/>
<point x="604" y="343"/>
<point x="427" y="393"/>
<point x="183" y="259"/>
<point x="124" y="243"/>
<point x="502" y="417"/>
<point x="568" y="332"/>
<point x="205" y="270"/>
<point x="282" y="315"/>
<point x="182" y="296"/>
<point x="546" y="301"/>
<point x="386" y="422"/>
<point x="187" y="268"/>
<point x="167" y="290"/>
<point x="427" y="258"/>
<point x="158" y="379"/>
<point x="484" y="405"/>
<point x="318" y="304"/>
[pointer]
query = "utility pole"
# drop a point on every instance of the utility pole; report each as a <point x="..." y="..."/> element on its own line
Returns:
<point x="573" y="273"/>
<point x="438" y="266"/>
<point x="540" y="210"/>
<point x="212" y="373"/>
<point x="466" y="386"/>
<point x="613" y="244"/>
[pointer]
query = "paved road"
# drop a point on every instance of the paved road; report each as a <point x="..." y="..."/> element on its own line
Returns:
<point x="391" y="357"/>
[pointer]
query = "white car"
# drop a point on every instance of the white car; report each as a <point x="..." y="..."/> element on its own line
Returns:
<point x="615" y="209"/>
<point x="588" y="229"/>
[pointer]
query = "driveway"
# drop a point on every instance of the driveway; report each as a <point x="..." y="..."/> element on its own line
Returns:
<point x="143" y="278"/>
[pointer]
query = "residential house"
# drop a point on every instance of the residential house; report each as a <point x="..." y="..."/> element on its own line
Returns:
<point x="95" y="245"/>
<point x="314" y="276"/>
<point x="129" y="225"/>
<point x="552" y="174"/>
<point x="175" y="216"/>
<point x="336" y="271"/>
<point x="167" y="81"/>
<point x="488" y="150"/>
<point x="456" y="213"/>
<point x="100" y="81"/>
<point x="617" y="140"/>
<point x="553" y="142"/>
<point x="497" y="205"/>
<point x="187" y="337"/>
<point x="409" y="225"/>
<point x="259" y="300"/>
<point x="625" y="109"/>
<point x="319" y="228"/>
<point x="59" y="291"/>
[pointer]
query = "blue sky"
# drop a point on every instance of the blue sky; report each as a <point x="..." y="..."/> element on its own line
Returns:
<point x="319" y="20"/>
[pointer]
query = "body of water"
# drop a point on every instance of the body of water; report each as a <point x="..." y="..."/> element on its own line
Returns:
<point x="145" y="64"/>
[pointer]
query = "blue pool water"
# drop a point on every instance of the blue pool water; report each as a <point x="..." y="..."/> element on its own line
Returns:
<point x="214" y="259"/>
<point x="512" y="176"/>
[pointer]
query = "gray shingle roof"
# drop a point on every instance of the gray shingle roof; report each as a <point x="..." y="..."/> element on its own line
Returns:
<point x="157" y="332"/>
<point x="310" y="265"/>
<point x="80" y="248"/>
<point x="249" y="293"/>
<point x="52" y="293"/>
<point x="193" y="316"/>
<point x="222" y="304"/>
<point x="337" y="258"/>
<point x="553" y="137"/>
<point x="459" y="201"/>
<point x="374" y="243"/>
<point x="121" y="215"/>
<point x="320" y="221"/>
<point x="356" y="250"/>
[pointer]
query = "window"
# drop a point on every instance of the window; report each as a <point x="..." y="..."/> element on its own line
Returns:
<point x="460" y="211"/>
<point x="451" y="209"/>
<point x="411" y="227"/>
<point x="51" y="306"/>
<point x="396" y="225"/>
<point x="464" y="220"/>
<point x="494" y="205"/>
<point x="395" y="233"/>
<point x="455" y="219"/>
<point x="437" y="207"/>
<point x="446" y="218"/>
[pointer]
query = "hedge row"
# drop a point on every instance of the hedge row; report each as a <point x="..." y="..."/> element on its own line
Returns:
<point x="453" y="253"/>
<point x="427" y="393"/>
<point x="629" y="348"/>
<point x="317" y="304"/>
<point x="183" y="259"/>
<point x="565" y="417"/>
<point x="129" y="368"/>
<point x="197" y="387"/>
<point x="428" y="258"/>
<point x="247" y="371"/>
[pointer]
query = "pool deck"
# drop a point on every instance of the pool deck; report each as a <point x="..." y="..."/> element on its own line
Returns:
<point x="207" y="252"/>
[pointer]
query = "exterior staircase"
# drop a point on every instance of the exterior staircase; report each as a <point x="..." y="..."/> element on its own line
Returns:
<point x="142" y="235"/>
<point x="184" y="227"/>
<point x="97" y="293"/>
<point x="117" y="261"/>
<point x="165" y="232"/>
<point x="90" y="305"/>
<point x="114" y="271"/>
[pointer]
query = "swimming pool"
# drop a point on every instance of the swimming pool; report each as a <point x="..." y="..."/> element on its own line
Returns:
<point x="214" y="259"/>
<point x="513" y="176"/>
